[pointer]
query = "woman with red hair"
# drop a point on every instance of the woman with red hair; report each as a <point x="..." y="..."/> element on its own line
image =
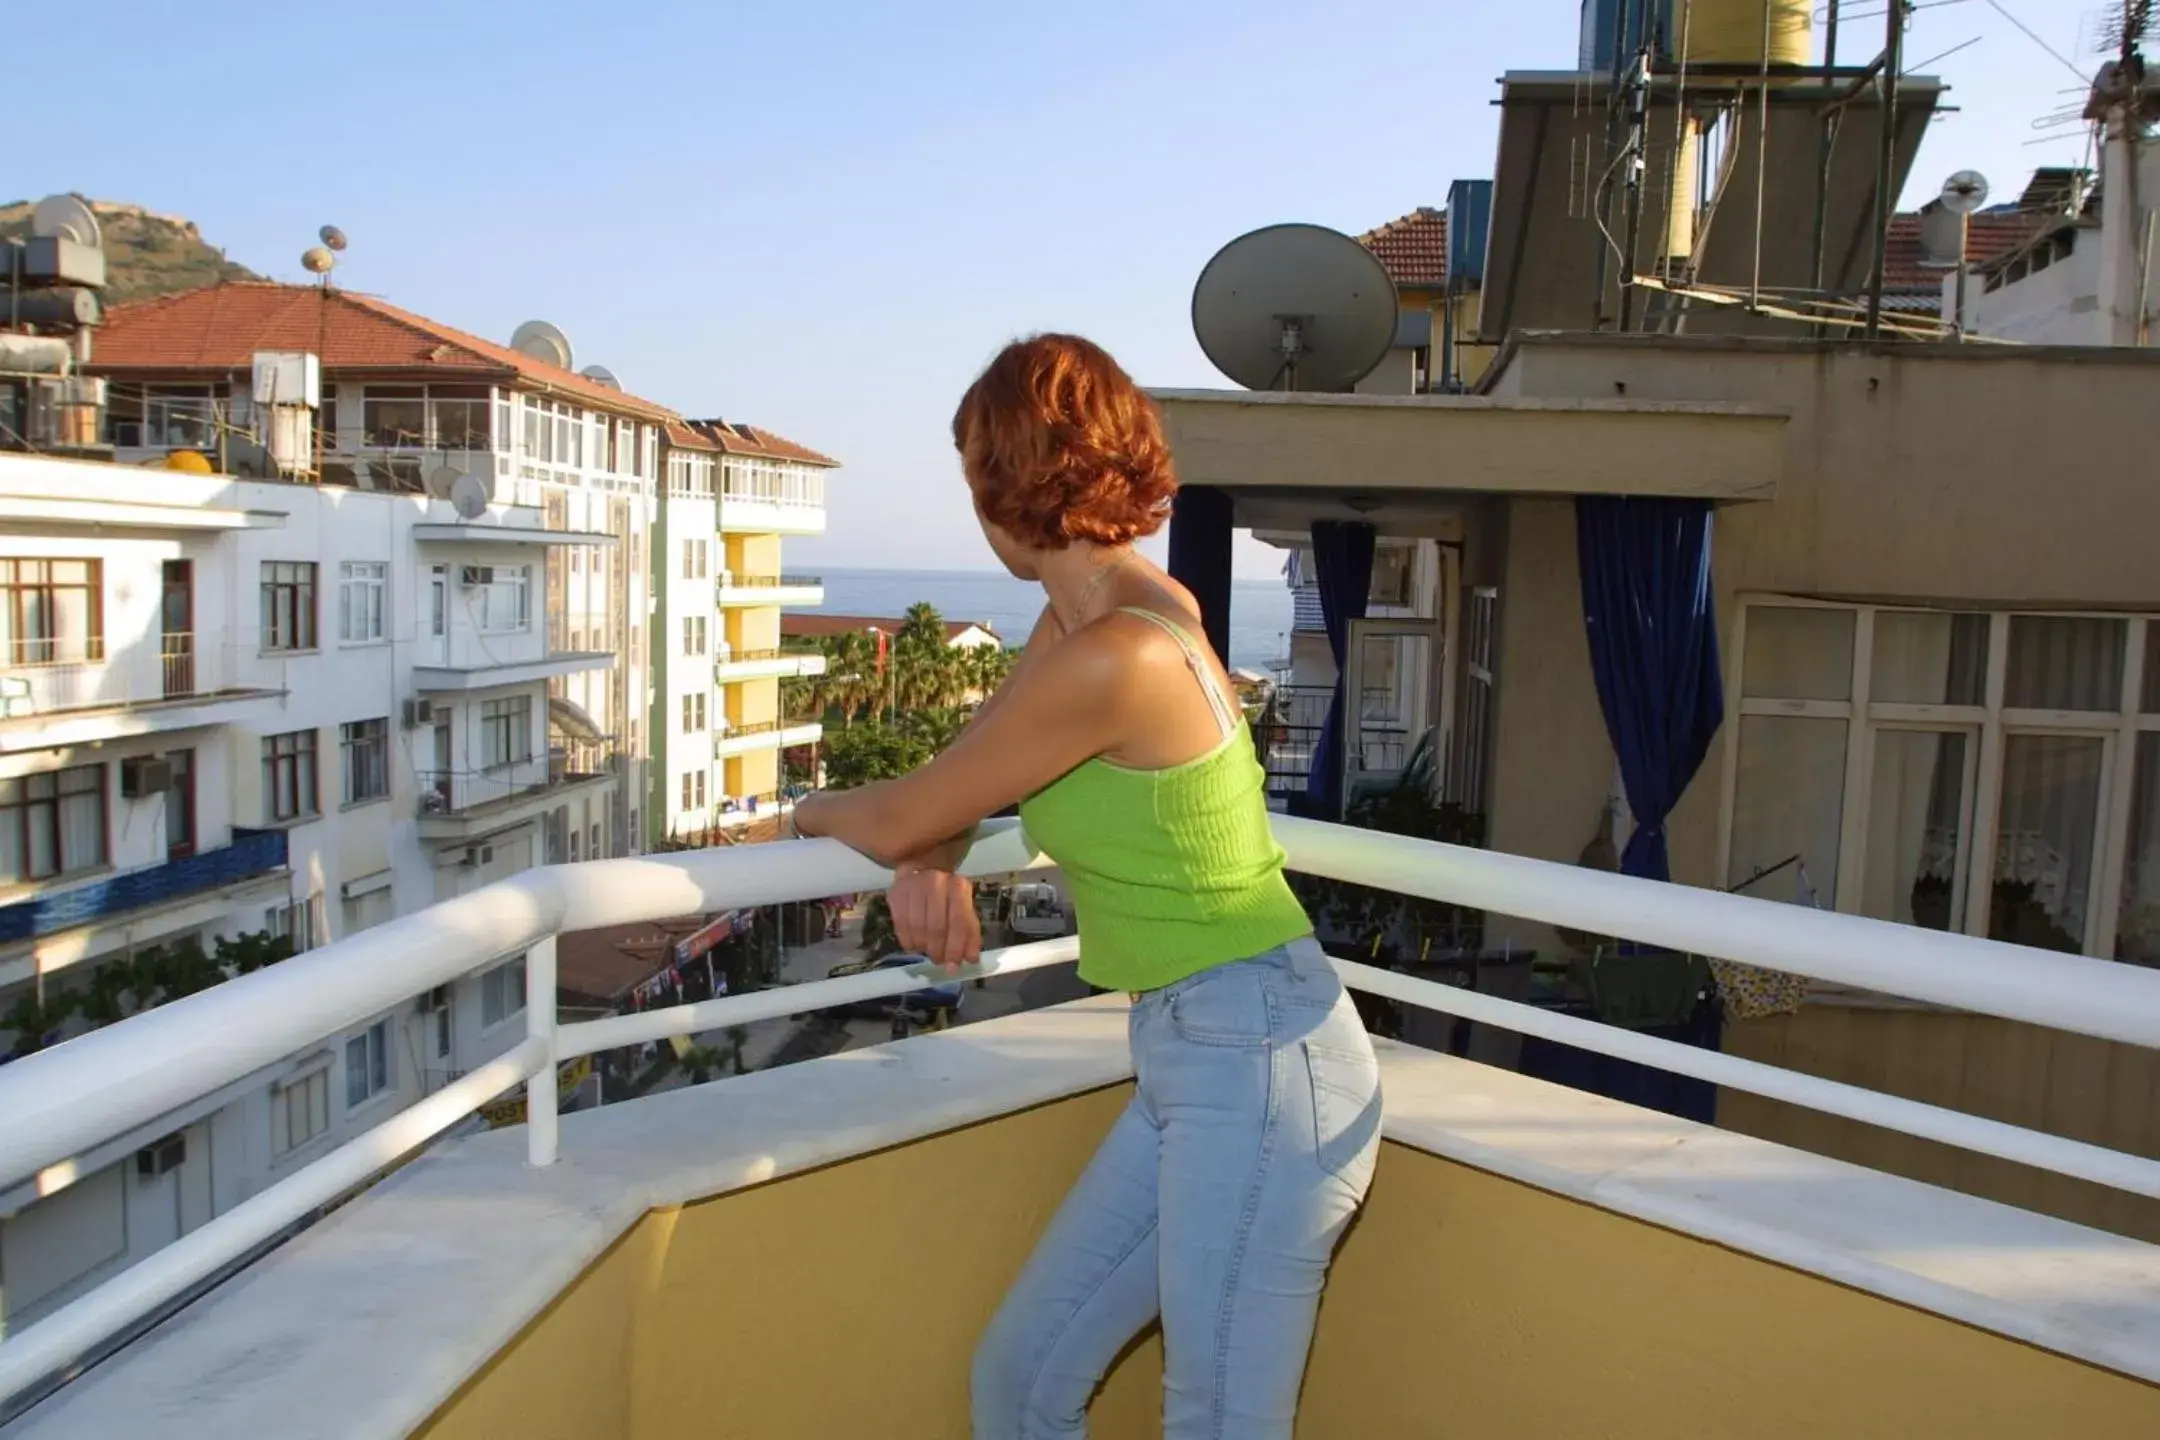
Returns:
<point x="1216" y="1200"/>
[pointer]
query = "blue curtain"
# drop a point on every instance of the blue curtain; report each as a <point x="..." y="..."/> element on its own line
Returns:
<point x="1651" y="621"/>
<point x="1201" y="518"/>
<point x="1343" y="555"/>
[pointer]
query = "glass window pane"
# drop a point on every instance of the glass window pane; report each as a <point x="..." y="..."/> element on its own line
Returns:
<point x="1929" y="659"/>
<point x="356" y="1070"/>
<point x="2151" y="697"/>
<point x="1916" y="810"/>
<point x="1788" y="801"/>
<point x="2137" y="926"/>
<point x="2044" y="848"/>
<point x="1796" y="654"/>
<point x="2063" y="662"/>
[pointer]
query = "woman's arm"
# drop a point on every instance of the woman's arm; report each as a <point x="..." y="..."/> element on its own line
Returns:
<point x="1047" y="719"/>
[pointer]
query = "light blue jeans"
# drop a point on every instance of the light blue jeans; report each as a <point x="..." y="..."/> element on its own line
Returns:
<point x="1215" y="1203"/>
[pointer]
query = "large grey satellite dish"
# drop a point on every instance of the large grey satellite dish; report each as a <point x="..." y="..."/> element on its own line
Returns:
<point x="542" y="341"/>
<point x="1964" y="192"/>
<point x="68" y="217"/>
<point x="441" y="479"/>
<point x="469" y="497"/>
<point x="1294" y="307"/>
<point x="601" y="375"/>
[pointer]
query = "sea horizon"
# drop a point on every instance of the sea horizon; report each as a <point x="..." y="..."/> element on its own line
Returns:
<point x="1259" y="608"/>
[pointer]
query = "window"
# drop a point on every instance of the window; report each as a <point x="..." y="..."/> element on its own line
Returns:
<point x="367" y="1065"/>
<point x="444" y="1031"/>
<point x="693" y="790"/>
<point x="693" y="635"/>
<point x="288" y="605"/>
<point x="593" y="845"/>
<point x="502" y="993"/>
<point x="289" y="779"/>
<point x="693" y="714"/>
<point x="326" y="418"/>
<point x="574" y="847"/>
<point x="366" y="750"/>
<point x="505" y="603"/>
<point x="299" y="1110"/>
<point x="52" y="823"/>
<point x="363" y="600"/>
<point x="1976" y="773"/>
<point x="505" y="731"/>
<point x="394" y="416"/>
<point x="460" y="417"/>
<point x="51" y="611"/>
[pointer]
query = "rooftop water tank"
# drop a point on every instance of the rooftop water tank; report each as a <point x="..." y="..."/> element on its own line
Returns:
<point x="1734" y="32"/>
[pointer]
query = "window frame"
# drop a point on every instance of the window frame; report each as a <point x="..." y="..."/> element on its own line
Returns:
<point x="506" y="731"/>
<point x="25" y="810"/>
<point x="364" y="594"/>
<point x="502" y="993"/>
<point x="516" y="583"/>
<point x="378" y="1068"/>
<point x="357" y="741"/>
<point x="1991" y="724"/>
<point x="24" y="649"/>
<point x="290" y="592"/>
<point x="302" y="757"/>
<point x="311" y="1084"/>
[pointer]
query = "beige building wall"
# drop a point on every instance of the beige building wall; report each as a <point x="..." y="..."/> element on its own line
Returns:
<point x="1979" y="475"/>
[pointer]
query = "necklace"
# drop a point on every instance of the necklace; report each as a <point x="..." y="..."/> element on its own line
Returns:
<point x="1080" y="608"/>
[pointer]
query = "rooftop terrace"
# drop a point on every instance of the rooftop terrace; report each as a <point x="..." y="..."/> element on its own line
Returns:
<point x="811" y="1250"/>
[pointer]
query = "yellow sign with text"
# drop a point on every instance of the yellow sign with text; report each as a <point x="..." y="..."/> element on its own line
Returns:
<point x="511" y="1109"/>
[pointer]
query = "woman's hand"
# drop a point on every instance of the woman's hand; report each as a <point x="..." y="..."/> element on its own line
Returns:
<point x="934" y="915"/>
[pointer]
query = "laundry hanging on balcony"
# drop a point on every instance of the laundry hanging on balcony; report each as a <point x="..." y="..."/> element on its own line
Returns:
<point x="1650" y="617"/>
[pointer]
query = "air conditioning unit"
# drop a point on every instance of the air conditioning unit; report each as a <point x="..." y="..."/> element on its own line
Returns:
<point x="419" y="713"/>
<point x="166" y="1155"/>
<point x="435" y="999"/>
<point x="142" y="776"/>
<point x="472" y="577"/>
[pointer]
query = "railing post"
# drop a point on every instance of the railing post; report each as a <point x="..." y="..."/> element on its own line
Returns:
<point x="540" y="1098"/>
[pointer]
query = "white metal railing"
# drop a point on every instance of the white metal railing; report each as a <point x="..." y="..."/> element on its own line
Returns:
<point x="142" y="670"/>
<point x="63" y="1102"/>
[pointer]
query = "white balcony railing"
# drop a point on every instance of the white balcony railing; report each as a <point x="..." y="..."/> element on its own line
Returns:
<point x="62" y="1103"/>
<point x="174" y="666"/>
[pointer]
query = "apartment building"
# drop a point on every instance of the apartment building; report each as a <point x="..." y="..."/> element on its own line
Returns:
<point x="408" y="405"/>
<point x="733" y="493"/>
<point x="259" y="712"/>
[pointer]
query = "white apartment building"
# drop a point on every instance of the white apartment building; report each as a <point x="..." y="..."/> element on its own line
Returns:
<point x="233" y="707"/>
<point x="407" y="405"/>
<point x="733" y="492"/>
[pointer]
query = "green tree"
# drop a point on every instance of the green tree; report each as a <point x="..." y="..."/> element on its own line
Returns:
<point x="33" y="1020"/>
<point x="870" y="751"/>
<point x="702" y="1062"/>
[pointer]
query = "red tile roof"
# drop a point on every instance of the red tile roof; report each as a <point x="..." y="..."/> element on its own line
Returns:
<point x="804" y="625"/>
<point x="1413" y="249"/>
<point x="732" y="437"/>
<point x="682" y="435"/>
<point x="1993" y="234"/>
<point x="220" y="327"/>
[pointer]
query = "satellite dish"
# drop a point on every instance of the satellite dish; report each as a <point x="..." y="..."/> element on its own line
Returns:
<point x="601" y="375"/>
<point x="439" y="481"/>
<point x="1294" y="307"/>
<point x="332" y="237"/>
<point x="542" y="341"/>
<point x="469" y="497"/>
<point x="1964" y="192"/>
<point x="67" y="217"/>
<point x="317" y="260"/>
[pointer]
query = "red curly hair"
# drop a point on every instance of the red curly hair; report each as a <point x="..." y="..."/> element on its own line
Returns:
<point x="1061" y="446"/>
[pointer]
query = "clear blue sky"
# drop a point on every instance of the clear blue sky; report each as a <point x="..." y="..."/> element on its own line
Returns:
<point x="824" y="217"/>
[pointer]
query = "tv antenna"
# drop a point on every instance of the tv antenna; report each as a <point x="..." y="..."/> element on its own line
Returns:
<point x="1962" y="194"/>
<point x="469" y="496"/>
<point x="1294" y="307"/>
<point x="66" y="217"/>
<point x="541" y="341"/>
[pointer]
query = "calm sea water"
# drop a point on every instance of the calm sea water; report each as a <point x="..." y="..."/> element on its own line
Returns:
<point x="1259" y="609"/>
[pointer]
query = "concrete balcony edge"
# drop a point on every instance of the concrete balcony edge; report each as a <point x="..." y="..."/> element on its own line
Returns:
<point x="502" y="1241"/>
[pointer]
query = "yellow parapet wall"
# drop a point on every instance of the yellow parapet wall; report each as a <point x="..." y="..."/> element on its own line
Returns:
<point x="846" y="1301"/>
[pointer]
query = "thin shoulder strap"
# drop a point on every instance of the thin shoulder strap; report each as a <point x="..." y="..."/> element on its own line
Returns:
<point x="1225" y="715"/>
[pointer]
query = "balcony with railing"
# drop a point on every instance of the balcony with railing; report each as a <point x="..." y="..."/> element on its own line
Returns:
<point x="459" y="804"/>
<point x="84" y="689"/>
<point x="732" y="665"/>
<point x="1534" y="1260"/>
<point x="741" y="738"/>
<point x="789" y="591"/>
<point x="773" y="502"/>
<point x="249" y="855"/>
<point x="1288" y="733"/>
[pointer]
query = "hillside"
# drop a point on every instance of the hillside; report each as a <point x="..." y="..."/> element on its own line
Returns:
<point x="146" y="253"/>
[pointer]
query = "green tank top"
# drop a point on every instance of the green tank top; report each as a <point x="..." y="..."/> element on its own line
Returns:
<point x="1172" y="870"/>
